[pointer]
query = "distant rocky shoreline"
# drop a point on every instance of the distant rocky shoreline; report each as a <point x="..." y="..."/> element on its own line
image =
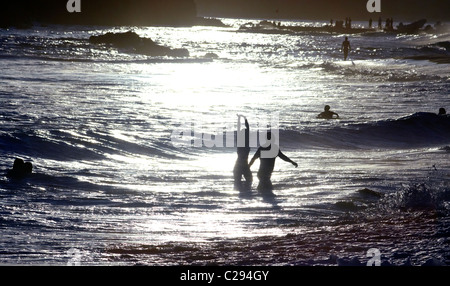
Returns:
<point x="269" y="27"/>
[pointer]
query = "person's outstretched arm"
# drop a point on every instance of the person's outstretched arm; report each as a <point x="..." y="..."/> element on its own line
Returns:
<point x="247" y="133"/>
<point x="256" y="156"/>
<point x="287" y="159"/>
<point x="239" y="122"/>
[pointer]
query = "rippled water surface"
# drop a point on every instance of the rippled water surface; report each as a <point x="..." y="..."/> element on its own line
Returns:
<point x="109" y="187"/>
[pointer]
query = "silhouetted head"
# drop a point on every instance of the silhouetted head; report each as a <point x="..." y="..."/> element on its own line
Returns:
<point x="442" y="111"/>
<point x="346" y="38"/>
<point x="327" y="107"/>
<point x="18" y="164"/>
<point x="20" y="169"/>
<point x="27" y="168"/>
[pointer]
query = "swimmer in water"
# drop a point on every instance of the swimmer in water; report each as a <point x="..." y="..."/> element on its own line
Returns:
<point x="327" y="113"/>
<point x="20" y="169"/>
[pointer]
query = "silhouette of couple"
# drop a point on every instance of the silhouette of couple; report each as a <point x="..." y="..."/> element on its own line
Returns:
<point x="242" y="167"/>
<point x="20" y="169"/>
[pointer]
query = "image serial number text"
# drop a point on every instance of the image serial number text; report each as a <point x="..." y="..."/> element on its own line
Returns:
<point x="227" y="275"/>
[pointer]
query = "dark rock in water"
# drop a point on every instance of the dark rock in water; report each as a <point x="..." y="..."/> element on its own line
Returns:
<point x="132" y="41"/>
<point x="120" y="40"/>
<point x="200" y="21"/>
<point x="211" y="56"/>
<point x="445" y="45"/>
<point x="411" y="28"/>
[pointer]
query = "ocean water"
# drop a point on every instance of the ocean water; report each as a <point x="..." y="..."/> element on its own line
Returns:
<point x="110" y="187"/>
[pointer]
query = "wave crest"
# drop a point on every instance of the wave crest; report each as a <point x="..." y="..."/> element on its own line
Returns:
<point x="416" y="130"/>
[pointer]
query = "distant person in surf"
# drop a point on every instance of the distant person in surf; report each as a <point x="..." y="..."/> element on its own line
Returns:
<point x="241" y="167"/>
<point x="327" y="113"/>
<point x="267" y="165"/>
<point x="346" y="47"/>
<point x="442" y="111"/>
<point x="20" y="169"/>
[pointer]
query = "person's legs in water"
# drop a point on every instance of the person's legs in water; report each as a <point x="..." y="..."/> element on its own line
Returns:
<point x="241" y="168"/>
<point x="247" y="175"/>
<point x="265" y="184"/>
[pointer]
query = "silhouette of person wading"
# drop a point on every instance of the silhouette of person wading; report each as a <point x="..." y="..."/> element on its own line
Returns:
<point x="241" y="167"/>
<point x="327" y="113"/>
<point x="267" y="164"/>
<point x="346" y="48"/>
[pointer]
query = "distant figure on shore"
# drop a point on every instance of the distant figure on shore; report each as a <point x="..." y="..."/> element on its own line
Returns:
<point x="327" y="113"/>
<point x="20" y="169"/>
<point x="389" y="24"/>
<point x="370" y="23"/>
<point x="380" y="21"/>
<point x="241" y="167"/>
<point x="346" y="47"/>
<point x="442" y="111"/>
<point x="267" y="165"/>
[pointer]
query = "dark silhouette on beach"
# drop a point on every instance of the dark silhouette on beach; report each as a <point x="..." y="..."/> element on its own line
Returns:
<point x="20" y="169"/>
<point x="346" y="47"/>
<point x="267" y="165"/>
<point x="327" y="113"/>
<point x="389" y="24"/>
<point x="442" y="111"/>
<point x="348" y="23"/>
<point x="241" y="167"/>
<point x="411" y="28"/>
